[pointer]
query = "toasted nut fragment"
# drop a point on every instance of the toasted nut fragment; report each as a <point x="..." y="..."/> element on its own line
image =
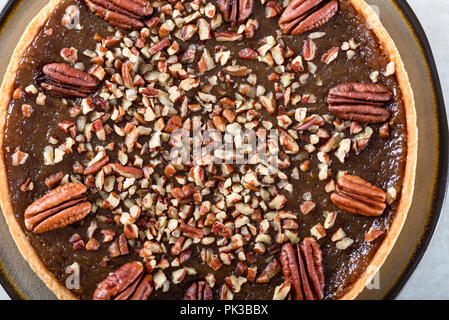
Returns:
<point x="384" y="131"/>
<point x="344" y="243"/>
<point x="176" y="249"/>
<point x="318" y="231"/>
<point x="237" y="71"/>
<point x="184" y="193"/>
<point x="97" y="163"/>
<point x="273" y="9"/>
<point x="219" y="123"/>
<point x="278" y="202"/>
<point x="330" y="219"/>
<point x="19" y="157"/>
<point x="281" y="292"/>
<point x="127" y="172"/>
<point x="226" y="293"/>
<point x="192" y="231"/>
<point x="309" y="49"/>
<point x="373" y="234"/>
<point x="307" y="207"/>
<point x="330" y="56"/>
<point x="338" y="235"/>
<point x="173" y="124"/>
<point x="248" y="54"/>
<point x="227" y="36"/>
<point x="222" y="230"/>
<point x="199" y="291"/>
<point x="53" y="180"/>
<point x="235" y="283"/>
<point x="92" y="245"/>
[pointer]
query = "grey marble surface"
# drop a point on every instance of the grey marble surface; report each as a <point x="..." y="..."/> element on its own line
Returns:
<point x="431" y="278"/>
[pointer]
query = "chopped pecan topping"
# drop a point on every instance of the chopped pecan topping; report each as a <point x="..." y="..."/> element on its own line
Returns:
<point x="225" y="36"/>
<point x="61" y="79"/>
<point x="273" y="8"/>
<point x="128" y="172"/>
<point x="58" y="208"/>
<point x="304" y="15"/>
<point x="361" y="102"/>
<point x="96" y="164"/>
<point x="184" y="193"/>
<point x="127" y="283"/>
<point x="192" y="231"/>
<point x="357" y="196"/>
<point x="119" y="247"/>
<point x="248" y="54"/>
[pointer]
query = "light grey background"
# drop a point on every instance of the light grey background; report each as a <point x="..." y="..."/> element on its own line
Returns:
<point x="431" y="278"/>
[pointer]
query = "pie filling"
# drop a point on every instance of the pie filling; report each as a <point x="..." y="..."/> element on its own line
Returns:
<point x="205" y="149"/>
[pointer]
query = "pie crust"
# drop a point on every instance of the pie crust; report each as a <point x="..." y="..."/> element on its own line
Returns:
<point x="382" y="252"/>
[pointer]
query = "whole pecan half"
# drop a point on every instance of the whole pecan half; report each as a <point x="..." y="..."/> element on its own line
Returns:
<point x="125" y="14"/>
<point x="290" y="269"/>
<point x="361" y="102"/>
<point x="304" y="15"/>
<point x="357" y="196"/>
<point x="303" y="268"/>
<point x="58" y="208"/>
<point x="199" y="291"/>
<point x="60" y="79"/>
<point x="127" y="283"/>
<point x="236" y="11"/>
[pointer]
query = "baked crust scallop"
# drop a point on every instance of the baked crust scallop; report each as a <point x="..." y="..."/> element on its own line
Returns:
<point x="93" y="109"/>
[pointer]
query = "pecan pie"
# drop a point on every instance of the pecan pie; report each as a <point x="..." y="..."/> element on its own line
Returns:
<point x="206" y="149"/>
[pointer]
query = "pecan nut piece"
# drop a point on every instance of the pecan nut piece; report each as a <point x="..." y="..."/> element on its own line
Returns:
<point x="304" y="15"/>
<point x="361" y="102"/>
<point x="199" y="291"/>
<point x="58" y="208"/>
<point x="236" y="11"/>
<point x="127" y="283"/>
<point x="310" y="259"/>
<point x="60" y="79"/>
<point x="184" y="194"/>
<point x="290" y="269"/>
<point x="125" y="14"/>
<point x="271" y="270"/>
<point x="358" y="196"/>
<point x="303" y="268"/>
